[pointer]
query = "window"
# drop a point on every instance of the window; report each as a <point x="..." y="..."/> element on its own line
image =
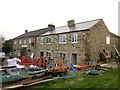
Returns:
<point x="41" y="40"/>
<point x="15" y="42"/>
<point x="107" y="40"/>
<point x="48" y="40"/>
<point x="25" y="41"/>
<point x="20" y="42"/>
<point x="29" y="41"/>
<point x="62" y="39"/>
<point x="48" y="54"/>
<point x="74" y="38"/>
<point x="63" y="55"/>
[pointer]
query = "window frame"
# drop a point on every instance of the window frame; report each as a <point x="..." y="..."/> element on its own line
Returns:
<point x="20" y="42"/>
<point x="30" y="41"/>
<point x="49" y="54"/>
<point x="74" y="38"/>
<point x="62" y="39"/>
<point x="25" y="41"/>
<point x="62" y="55"/>
<point x="15" y="42"/>
<point x="48" y="40"/>
<point x="42" y="40"/>
<point x="107" y="39"/>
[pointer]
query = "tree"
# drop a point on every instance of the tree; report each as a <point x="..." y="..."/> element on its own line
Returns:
<point x="7" y="46"/>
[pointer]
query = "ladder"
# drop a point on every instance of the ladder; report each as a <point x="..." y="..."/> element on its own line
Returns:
<point x="118" y="57"/>
<point x="116" y="50"/>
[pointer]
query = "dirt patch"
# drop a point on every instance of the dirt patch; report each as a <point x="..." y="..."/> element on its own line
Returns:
<point x="113" y="64"/>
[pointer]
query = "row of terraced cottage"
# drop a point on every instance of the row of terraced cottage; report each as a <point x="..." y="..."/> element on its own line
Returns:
<point x="76" y="43"/>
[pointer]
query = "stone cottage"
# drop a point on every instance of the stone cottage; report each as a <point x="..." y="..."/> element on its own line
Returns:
<point x="74" y="43"/>
<point x="25" y="44"/>
<point x="77" y="43"/>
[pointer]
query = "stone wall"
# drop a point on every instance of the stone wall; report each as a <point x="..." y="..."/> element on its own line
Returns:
<point x="68" y="48"/>
<point x="18" y="47"/>
<point x="97" y="41"/>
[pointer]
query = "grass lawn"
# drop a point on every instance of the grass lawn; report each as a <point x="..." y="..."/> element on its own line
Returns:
<point x="108" y="79"/>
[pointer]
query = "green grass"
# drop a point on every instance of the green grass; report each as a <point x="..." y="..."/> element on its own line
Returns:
<point x="108" y="79"/>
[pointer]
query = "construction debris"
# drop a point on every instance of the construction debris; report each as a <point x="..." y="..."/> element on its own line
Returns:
<point x="93" y="72"/>
<point x="53" y="69"/>
<point x="36" y="75"/>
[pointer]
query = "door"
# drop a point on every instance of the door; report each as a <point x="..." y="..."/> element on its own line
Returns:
<point x="74" y="59"/>
<point x="23" y="51"/>
<point x="41" y="54"/>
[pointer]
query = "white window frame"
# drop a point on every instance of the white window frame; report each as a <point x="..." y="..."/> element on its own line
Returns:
<point x="30" y="41"/>
<point x="49" y="54"/>
<point x="74" y="38"/>
<point x="107" y="39"/>
<point x="62" y="39"/>
<point x="20" y="42"/>
<point x="63" y="55"/>
<point x="24" y="41"/>
<point x="15" y="42"/>
<point x="48" y="40"/>
<point x="41" y="40"/>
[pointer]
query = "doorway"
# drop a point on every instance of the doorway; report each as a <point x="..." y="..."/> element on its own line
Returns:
<point x="41" y="54"/>
<point x="23" y="52"/>
<point x="74" y="58"/>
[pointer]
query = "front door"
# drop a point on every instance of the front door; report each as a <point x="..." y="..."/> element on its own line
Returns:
<point x="74" y="58"/>
<point x="23" y="52"/>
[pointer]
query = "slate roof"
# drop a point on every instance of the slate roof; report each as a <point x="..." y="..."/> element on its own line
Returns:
<point x="63" y="29"/>
<point x="33" y="33"/>
<point x="78" y="27"/>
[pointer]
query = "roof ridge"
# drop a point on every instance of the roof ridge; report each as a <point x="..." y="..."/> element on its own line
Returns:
<point x="30" y="33"/>
<point x="89" y="21"/>
<point x="37" y="30"/>
<point x="81" y="22"/>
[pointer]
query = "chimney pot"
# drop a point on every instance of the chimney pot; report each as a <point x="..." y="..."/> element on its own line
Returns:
<point x="71" y="23"/>
<point x="51" y="26"/>
<point x="26" y="31"/>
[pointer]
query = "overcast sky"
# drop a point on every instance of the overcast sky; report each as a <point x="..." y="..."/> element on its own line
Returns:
<point x="16" y="16"/>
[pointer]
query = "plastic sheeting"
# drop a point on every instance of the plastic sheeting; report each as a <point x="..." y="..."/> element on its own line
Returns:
<point x="13" y="62"/>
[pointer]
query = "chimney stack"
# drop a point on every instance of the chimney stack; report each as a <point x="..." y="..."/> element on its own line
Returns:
<point x="26" y="31"/>
<point x="71" y="23"/>
<point x="51" y="26"/>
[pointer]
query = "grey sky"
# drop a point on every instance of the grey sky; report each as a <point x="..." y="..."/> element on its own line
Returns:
<point x="19" y="15"/>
